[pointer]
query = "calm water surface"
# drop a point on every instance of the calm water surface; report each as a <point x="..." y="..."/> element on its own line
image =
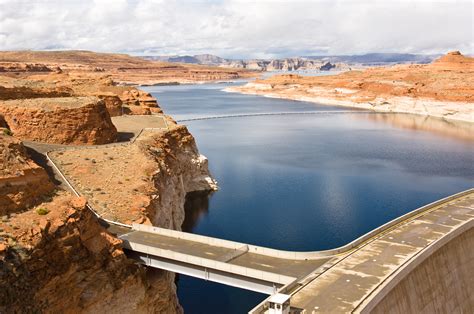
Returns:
<point x="307" y="182"/>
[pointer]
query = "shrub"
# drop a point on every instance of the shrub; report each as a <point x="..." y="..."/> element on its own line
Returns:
<point x="42" y="211"/>
<point x="7" y="132"/>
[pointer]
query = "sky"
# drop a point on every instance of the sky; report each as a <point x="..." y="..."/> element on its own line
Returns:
<point x="238" y="28"/>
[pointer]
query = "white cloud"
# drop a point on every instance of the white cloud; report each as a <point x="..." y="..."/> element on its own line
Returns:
<point x="236" y="28"/>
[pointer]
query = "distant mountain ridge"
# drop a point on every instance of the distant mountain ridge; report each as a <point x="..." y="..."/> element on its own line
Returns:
<point x="322" y="63"/>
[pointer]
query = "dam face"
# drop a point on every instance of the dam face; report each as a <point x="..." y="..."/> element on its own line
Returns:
<point x="441" y="282"/>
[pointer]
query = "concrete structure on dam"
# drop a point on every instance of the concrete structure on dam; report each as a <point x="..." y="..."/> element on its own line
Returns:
<point x="421" y="262"/>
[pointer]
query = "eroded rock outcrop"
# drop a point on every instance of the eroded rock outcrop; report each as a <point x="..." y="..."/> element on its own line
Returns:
<point x="118" y="99"/>
<point x="54" y="256"/>
<point x="65" y="261"/>
<point x="22" y="182"/>
<point x="24" y="67"/>
<point x="140" y="102"/>
<point x="65" y="120"/>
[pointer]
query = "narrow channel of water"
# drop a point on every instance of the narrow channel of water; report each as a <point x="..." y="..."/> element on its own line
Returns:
<point x="307" y="182"/>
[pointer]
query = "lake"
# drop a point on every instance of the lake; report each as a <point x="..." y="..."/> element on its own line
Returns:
<point x="307" y="182"/>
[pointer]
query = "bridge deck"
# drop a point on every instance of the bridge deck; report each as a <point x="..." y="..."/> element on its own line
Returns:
<point x="355" y="277"/>
<point x="287" y="267"/>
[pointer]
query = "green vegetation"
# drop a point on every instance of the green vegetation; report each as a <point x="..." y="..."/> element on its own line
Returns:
<point x="42" y="211"/>
<point x="7" y="132"/>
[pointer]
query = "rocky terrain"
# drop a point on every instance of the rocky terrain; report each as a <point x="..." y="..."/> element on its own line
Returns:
<point x="444" y="88"/>
<point x="55" y="254"/>
<point x="22" y="182"/>
<point x="63" y="107"/>
<point x="64" y="261"/>
<point x="124" y="69"/>
<point x="143" y="182"/>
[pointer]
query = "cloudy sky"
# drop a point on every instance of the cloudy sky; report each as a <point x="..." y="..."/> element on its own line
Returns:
<point x="238" y="28"/>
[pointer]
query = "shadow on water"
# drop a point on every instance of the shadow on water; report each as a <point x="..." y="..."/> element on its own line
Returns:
<point x="196" y="206"/>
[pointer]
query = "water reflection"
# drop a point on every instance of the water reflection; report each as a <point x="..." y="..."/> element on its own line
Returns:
<point x="446" y="128"/>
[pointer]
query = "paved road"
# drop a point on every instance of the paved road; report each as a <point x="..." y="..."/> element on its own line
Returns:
<point x="287" y="267"/>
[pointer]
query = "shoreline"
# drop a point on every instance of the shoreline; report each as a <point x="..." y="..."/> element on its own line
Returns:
<point x="405" y="105"/>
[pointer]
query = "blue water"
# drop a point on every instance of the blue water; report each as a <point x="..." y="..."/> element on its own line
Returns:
<point x="305" y="182"/>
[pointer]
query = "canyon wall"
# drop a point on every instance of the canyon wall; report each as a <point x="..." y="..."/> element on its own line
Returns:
<point x="182" y="170"/>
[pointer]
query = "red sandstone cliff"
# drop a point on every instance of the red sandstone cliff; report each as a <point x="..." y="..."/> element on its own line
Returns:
<point x="70" y="120"/>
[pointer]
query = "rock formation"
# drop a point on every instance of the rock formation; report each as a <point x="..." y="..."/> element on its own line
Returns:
<point x="24" y="67"/>
<point x="322" y="63"/>
<point x="454" y="60"/>
<point x="22" y="182"/>
<point x="287" y="64"/>
<point x="69" y="120"/>
<point x="139" y="102"/>
<point x="166" y="166"/>
<point x="444" y="88"/>
<point x="54" y="254"/>
<point x="65" y="261"/>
